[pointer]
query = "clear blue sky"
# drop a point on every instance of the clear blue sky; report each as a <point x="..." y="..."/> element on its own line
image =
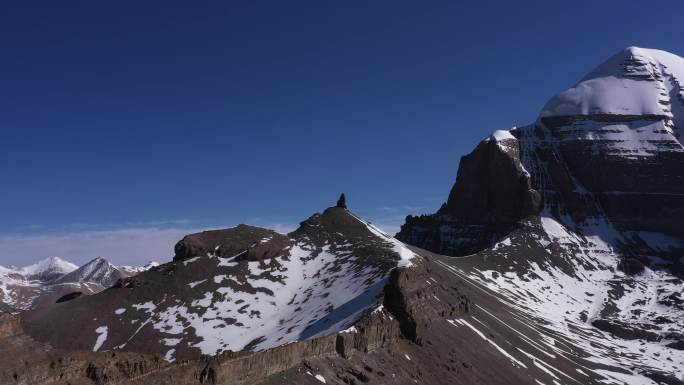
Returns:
<point x="125" y="117"/>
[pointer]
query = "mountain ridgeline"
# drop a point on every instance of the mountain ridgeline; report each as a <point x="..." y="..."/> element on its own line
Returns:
<point x="556" y="259"/>
<point x="44" y="282"/>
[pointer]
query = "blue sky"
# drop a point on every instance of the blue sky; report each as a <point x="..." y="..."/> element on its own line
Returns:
<point x="125" y="125"/>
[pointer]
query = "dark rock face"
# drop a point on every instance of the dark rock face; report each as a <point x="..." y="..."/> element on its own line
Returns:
<point x="631" y="266"/>
<point x="492" y="186"/>
<point x="642" y="192"/>
<point x="223" y="243"/>
<point x="625" y="331"/>
<point x="492" y="193"/>
<point x="408" y="299"/>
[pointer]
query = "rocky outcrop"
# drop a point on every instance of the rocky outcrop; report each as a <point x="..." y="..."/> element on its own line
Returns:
<point x="412" y="302"/>
<point x="342" y="202"/>
<point x="630" y="266"/>
<point x="492" y="186"/>
<point x="626" y="331"/>
<point x="493" y="191"/>
<point x="222" y="243"/>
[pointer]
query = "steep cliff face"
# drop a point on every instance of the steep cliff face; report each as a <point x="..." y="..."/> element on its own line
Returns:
<point x="493" y="191"/>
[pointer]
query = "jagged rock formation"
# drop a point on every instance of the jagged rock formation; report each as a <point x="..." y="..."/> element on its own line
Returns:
<point x="342" y="202"/>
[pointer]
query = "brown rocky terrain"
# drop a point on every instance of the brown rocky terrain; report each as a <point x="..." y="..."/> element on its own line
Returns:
<point x="555" y="260"/>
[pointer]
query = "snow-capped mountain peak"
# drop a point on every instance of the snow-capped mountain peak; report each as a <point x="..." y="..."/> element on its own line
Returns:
<point x="52" y="265"/>
<point x="139" y="269"/>
<point x="635" y="81"/>
<point x="632" y="106"/>
<point x="98" y="270"/>
<point x="43" y="282"/>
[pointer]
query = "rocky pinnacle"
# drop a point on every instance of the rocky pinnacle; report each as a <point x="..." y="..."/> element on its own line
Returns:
<point x="342" y="202"/>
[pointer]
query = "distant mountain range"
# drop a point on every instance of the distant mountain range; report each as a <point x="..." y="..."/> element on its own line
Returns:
<point x="44" y="282"/>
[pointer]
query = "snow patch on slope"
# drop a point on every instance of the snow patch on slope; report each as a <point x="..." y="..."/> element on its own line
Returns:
<point x="567" y="301"/>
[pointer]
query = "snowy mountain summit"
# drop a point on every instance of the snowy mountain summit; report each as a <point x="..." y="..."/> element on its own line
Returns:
<point x="47" y="269"/>
<point x="636" y="81"/>
<point x="639" y="91"/>
<point x="98" y="270"/>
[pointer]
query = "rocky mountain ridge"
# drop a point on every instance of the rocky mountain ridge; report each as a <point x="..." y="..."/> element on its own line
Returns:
<point x="239" y="289"/>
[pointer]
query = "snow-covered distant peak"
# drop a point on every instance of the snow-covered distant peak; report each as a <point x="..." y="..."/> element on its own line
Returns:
<point x="139" y="269"/>
<point x="98" y="270"/>
<point x="53" y="265"/>
<point x="635" y="81"/>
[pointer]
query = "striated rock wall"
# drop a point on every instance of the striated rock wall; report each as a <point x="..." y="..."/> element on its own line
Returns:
<point x="412" y="300"/>
<point x="640" y="191"/>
